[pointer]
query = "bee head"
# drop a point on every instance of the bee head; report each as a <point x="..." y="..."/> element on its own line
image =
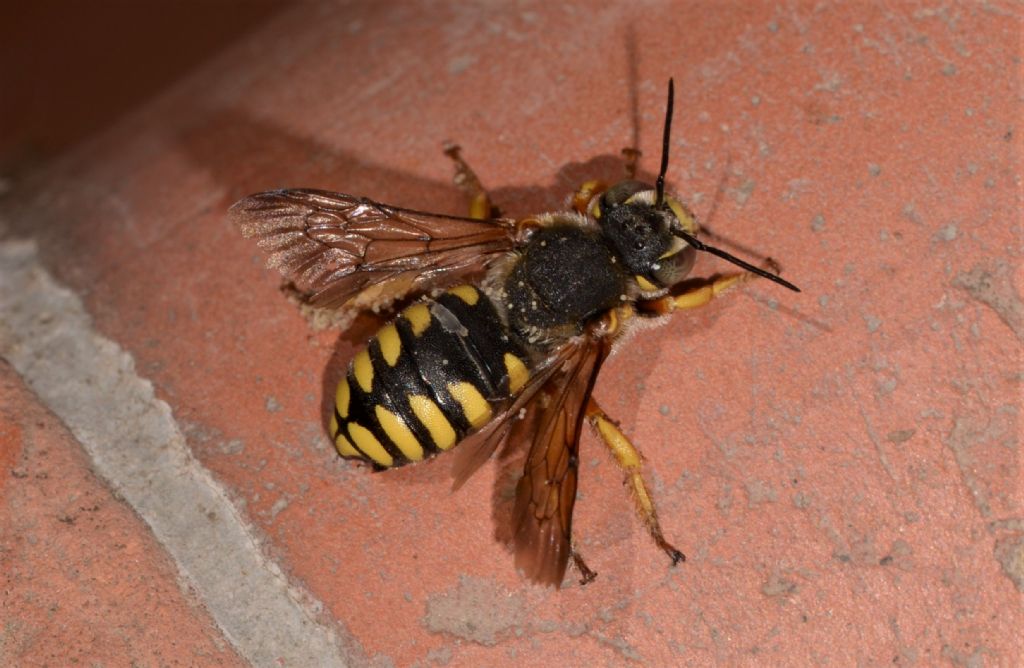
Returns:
<point x="654" y="235"/>
<point x="641" y="233"/>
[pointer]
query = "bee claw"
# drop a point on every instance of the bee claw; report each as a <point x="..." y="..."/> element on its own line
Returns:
<point x="675" y="555"/>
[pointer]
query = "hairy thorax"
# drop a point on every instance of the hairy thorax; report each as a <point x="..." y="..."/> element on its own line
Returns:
<point x="565" y="275"/>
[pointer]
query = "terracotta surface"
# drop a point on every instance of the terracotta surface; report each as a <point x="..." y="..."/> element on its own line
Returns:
<point x="83" y="581"/>
<point x="841" y="467"/>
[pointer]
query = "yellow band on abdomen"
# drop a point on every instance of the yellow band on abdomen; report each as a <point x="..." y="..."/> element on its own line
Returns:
<point x="399" y="433"/>
<point x="430" y="416"/>
<point x="369" y="444"/>
<point x="474" y="406"/>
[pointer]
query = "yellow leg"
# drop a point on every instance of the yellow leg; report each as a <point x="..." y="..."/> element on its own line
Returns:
<point x="696" y="297"/>
<point x="704" y="294"/>
<point x="691" y="298"/>
<point x="631" y="462"/>
<point x="585" y="193"/>
<point x="480" y="206"/>
<point x="588" y="190"/>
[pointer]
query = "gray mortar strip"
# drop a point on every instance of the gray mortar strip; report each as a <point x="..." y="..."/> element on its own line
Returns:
<point x="134" y="442"/>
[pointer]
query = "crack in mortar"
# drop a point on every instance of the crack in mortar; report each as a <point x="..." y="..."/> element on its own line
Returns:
<point x="135" y="444"/>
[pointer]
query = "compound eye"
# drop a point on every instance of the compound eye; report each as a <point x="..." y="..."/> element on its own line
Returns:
<point x="673" y="267"/>
<point x="619" y="193"/>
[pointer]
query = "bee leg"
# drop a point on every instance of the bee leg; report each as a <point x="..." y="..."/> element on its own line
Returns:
<point x="692" y="298"/>
<point x="698" y="296"/>
<point x="630" y="461"/>
<point x="586" y="575"/>
<point x="585" y="193"/>
<point x="631" y="157"/>
<point x="466" y="180"/>
<point x="589" y="189"/>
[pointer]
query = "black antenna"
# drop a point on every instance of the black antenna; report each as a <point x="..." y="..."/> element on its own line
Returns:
<point x="701" y="246"/>
<point x="660" y="183"/>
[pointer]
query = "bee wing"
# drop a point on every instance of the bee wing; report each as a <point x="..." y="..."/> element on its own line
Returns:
<point x="546" y="494"/>
<point x="550" y="412"/>
<point x="334" y="246"/>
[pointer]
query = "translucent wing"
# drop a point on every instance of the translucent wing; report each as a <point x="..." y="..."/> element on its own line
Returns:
<point x="546" y="494"/>
<point x="334" y="246"/>
<point x="476" y="449"/>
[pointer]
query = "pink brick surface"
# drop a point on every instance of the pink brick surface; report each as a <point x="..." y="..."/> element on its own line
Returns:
<point x="841" y="467"/>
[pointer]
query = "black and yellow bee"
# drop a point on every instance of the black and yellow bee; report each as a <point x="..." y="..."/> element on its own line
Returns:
<point x="515" y="353"/>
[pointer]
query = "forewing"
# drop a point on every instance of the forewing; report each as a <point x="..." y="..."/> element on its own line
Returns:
<point x="333" y="246"/>
<point x="478" y="447"/>
<point x="545" y="495"/>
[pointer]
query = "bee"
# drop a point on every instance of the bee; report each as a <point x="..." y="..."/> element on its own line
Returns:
<point x="515" y="320"/>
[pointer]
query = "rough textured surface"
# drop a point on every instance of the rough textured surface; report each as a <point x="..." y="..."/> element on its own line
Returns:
<point x="81" y="580"/>
<point x="842" y="467"/>
<point x="132" y="441"/>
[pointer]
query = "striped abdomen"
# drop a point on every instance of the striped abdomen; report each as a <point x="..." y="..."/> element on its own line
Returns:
<point x="434" y="374"/>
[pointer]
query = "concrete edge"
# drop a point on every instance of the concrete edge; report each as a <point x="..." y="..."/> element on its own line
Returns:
<point x="134" y="443"/>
